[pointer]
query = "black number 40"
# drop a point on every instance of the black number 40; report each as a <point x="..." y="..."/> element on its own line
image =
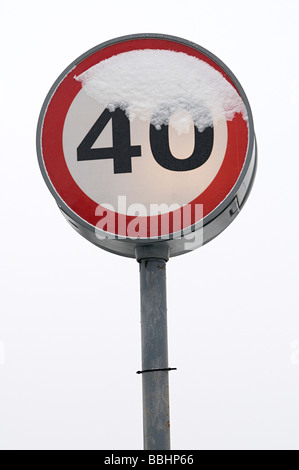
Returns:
<point x="122" y="151"/>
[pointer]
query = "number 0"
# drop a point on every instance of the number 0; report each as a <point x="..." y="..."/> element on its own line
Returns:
<point x="161" y="151"/>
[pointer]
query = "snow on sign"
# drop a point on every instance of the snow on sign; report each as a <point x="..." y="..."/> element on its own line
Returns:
<point x="147" y="138"/>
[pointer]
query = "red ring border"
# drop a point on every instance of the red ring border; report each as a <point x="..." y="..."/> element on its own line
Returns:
<point x="52" y="133"/>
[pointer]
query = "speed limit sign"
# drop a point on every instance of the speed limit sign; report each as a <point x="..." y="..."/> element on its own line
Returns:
<point x="147" y="138"/>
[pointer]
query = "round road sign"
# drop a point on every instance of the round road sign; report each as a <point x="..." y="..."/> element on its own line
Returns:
<point x="147" y="138"/>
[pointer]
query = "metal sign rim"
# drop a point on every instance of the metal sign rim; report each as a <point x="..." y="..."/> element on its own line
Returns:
<point x="215" y="212"/>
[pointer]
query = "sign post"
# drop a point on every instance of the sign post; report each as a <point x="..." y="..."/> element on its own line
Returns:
<point x="156" y="420"/>
<point x="147" y="144"/>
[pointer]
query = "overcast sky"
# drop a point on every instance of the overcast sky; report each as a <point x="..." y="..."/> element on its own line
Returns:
<point x="70" y="317"/>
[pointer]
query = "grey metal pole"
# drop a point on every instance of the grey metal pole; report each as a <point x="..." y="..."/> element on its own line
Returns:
<point x="155" y="385"/>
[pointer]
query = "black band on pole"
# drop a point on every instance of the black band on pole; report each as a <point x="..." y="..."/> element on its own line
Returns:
<point x="155" y="370"/>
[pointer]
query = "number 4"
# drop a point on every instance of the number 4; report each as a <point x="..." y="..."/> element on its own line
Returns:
<point x="122" y="150"/>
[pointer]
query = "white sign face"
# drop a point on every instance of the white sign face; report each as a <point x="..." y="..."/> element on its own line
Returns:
<point x="148" y="183"/>
<point x="145" y="137"/>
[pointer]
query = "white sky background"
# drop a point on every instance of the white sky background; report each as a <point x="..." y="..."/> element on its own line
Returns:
<point x="70" y="320"/>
